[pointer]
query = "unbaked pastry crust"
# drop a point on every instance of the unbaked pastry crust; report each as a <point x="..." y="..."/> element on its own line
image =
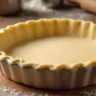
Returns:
<point x="41" y="28"/>
<point x="51" y="76"/>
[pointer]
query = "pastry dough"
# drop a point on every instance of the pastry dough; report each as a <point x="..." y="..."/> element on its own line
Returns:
<point x="49" y="53"/>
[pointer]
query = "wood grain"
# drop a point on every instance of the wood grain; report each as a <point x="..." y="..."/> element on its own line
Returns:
<point x="4" y="21"/>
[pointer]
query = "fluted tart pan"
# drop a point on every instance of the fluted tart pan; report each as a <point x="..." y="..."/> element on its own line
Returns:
<point x="51" y="76"/>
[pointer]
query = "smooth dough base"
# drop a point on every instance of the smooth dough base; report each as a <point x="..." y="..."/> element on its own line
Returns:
<point x="56" y="50"/>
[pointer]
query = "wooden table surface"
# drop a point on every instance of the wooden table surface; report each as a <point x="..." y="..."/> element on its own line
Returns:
<point x="70" y="13"/>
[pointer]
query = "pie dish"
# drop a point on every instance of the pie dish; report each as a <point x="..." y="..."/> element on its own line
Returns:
<point x="49" y="53"/>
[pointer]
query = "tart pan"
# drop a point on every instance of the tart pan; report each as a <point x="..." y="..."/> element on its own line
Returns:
<point x="54" y="76"/>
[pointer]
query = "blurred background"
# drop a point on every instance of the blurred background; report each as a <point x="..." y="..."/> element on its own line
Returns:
<point x="42" y="9"/>
<point x="13" y="11"/>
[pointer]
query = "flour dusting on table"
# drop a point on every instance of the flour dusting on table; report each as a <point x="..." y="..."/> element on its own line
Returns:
<point x="5" y="91"/>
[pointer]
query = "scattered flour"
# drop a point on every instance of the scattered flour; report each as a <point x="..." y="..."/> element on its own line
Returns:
<point x="5" y="91"/>
<point x="35" y="5"/>
<point x="86" y="93"/>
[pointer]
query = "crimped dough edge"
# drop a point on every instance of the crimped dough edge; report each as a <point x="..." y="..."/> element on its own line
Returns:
<point x="54" y="27"/>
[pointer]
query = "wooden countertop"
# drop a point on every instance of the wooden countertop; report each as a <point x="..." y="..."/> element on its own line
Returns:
<point x="74" y="13"/>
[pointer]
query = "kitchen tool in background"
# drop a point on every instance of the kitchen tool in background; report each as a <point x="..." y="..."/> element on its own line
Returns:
<point x="61" y="3"/>
<point x="8" y="7"/>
